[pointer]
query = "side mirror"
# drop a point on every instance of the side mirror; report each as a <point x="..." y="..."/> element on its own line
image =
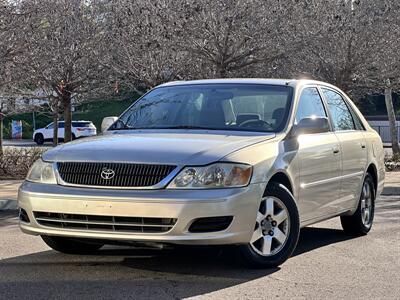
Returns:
<point x="107" y="122"/>
<point x="311" y="125"/>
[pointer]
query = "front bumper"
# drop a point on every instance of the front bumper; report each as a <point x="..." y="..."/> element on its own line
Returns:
<point x="183" y="205"/>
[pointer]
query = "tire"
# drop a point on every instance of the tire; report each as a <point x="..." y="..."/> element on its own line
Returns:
<point x="70" y="245"/>
<point x="73" y="137"/>
<point x="39" y="139"/>
<point x="359" y="223"/>
<point x="266" y="231"/>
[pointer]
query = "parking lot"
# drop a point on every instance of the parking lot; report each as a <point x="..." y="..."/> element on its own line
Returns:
<point x="326" y="265"/>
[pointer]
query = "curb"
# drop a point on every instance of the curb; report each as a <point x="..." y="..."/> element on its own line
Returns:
<point x="8" y="204"/>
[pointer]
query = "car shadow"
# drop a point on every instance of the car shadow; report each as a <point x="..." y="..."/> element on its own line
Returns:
<point x="312" y="238"/>
<point x="8" y="218"/>
<point x="139" y="273"/>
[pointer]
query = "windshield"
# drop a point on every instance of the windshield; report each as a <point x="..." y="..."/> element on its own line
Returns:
<point x="249" y="107"/>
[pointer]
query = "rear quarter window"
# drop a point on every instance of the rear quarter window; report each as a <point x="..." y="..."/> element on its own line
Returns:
<point x="81" y="124"/>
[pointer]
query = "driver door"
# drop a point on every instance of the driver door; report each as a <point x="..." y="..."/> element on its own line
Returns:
<point x="48" y="131"/>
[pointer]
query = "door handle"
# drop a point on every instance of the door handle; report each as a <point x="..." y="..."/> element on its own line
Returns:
<point x="362" y="146"/>
<point x="335" y="150"/>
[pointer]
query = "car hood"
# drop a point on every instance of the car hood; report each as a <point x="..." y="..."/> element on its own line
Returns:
<point x="178" y="147"/>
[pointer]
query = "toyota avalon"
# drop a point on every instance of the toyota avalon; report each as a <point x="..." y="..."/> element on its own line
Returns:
<point x="241" y="162"/>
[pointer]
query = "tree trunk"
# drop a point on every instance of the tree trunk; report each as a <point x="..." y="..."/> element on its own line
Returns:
<point x="1" y="133"/>
<point x="67" y="117"/>
<point x="221" y="71"/>
<point x="392" y="121"/>
<point x="55" y="128"/>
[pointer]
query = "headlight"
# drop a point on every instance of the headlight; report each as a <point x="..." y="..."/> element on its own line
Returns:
<point x="218" y="175"/>
<point x="42" y="172"/>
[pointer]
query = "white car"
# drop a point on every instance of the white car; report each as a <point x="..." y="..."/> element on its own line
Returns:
<point x="79" y="129"/>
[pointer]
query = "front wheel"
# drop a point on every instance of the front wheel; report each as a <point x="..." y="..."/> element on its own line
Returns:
<point x="360" y="222"/>
<point x="276" y="229"/>
<point x="71" y="245"/>
<point x="39" y="139"/>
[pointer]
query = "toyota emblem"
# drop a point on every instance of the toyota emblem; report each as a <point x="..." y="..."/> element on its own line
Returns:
<point x="107" y="174"/>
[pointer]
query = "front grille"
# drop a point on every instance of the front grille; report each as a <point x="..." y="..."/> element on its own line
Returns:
<point x="105" y="223"/>
<point x="125" y="175"/>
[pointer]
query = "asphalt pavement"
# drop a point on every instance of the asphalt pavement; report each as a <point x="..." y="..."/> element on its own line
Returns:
<point x="326" y="265"/>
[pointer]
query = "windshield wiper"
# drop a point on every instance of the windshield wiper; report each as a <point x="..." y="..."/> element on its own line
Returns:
<point x="180" y="127"/>
<point x="127" y="127"/>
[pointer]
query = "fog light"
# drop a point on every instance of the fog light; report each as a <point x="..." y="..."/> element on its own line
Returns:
<point x="211" y="224"/>
<point x="23" y="216"/>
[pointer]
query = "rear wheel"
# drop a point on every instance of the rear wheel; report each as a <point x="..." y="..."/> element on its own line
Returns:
<point x="39" y="139"/>
<point x="360" y="222"/>
<point x="71" y="245"/>
<point x="276" y="231"/>
<point x="73" y="137"/>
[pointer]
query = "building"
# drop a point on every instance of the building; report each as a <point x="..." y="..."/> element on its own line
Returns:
<point x="381" y="124"/>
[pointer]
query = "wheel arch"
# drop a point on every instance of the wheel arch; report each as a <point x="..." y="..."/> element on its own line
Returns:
<point x="282" y="178"/>
<point x="38" y="134"/>
<point x="372" y="170"/>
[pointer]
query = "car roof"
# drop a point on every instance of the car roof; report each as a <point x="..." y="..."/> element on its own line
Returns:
<point x="270" y="81"/>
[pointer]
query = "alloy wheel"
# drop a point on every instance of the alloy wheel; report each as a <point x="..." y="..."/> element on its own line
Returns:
<point x="272" y="227"/>
<point x="366" y="205"/>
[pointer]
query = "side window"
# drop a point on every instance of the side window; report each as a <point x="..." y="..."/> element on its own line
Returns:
<point x="50" y="126"/>
<point x="60" y="125"/>
<point x="341" y="116"/>
<point x="357" y="121"/>
<point x="310" y="105"/>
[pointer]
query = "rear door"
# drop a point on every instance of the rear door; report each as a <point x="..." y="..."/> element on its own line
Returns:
<point x="60" y="130"/>
<point x="350" y="134"/>
<point x="319" y="161"/>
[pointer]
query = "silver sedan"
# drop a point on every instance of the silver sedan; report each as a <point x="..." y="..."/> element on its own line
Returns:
<point x="241" y="162"/>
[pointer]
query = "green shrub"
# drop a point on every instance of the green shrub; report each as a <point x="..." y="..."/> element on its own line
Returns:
<point x="392" y="163"/>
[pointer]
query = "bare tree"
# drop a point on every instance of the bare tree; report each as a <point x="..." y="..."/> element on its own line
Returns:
<point x="386" y="70"/>
<point x="392" y="120"/>
<point x="143" y="49"/>
<point x="10" y="46"/>
<point x="344" y="45"/>
<point x="381" y="73"/>
<point x="72" y="48"/>
<point x="62" y="52"/>
<point x="356" y="50"/>
<point x="226" y="37"/>
<point x="158" y="41"/>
